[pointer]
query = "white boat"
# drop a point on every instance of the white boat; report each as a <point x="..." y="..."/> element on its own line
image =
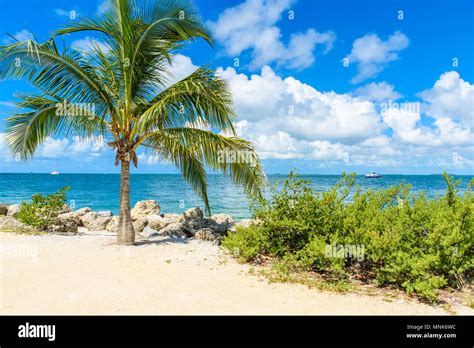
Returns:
<point x="54" y="172"/>
<point x="373" y="175"/>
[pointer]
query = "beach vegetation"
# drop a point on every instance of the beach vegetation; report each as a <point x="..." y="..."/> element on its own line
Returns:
<point x="42" y="212"/>
<point x="388" y="237"/>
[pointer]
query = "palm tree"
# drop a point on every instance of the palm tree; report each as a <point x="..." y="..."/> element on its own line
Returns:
<point x="188" y="123"/>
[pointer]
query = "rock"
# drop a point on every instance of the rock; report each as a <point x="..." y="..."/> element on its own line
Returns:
<point x="9" y="223"/>
<point x="149" y="232"/>
<point x="223" y="219"/>
<point x="80" y="213"/>
<point x="193" y="214"/>
<point x="244" y="223"/>
<point x="139" y="225"/>
<point x="206" y="234"/>
<point x="105" y="213"/>
<point x="174" y="229"/>
<point x="3" y="209"/>
<point x="13" y="209"/>
<point x="94" y="222"/>
<point x="64" y="224"/>
<point x="144" y="208"/>
<point x="112" y="226"/>
<point x="158" y="222"/>
<point x="65" y="209"/>
<point x="220" y="223"/>
<point x="67" y="216"/>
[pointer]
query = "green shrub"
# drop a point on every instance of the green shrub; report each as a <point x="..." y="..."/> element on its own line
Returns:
<point x="42" y="211"/>
<point x="399" y="238"/>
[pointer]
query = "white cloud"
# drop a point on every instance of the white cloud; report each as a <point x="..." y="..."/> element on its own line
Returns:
<point x="377" y="91"/>
<point x="85" y="149"/>
<point x="8" y="104"/>
<point x="299" y="109"/>
<point x="371" y="54"/>
<point x="288" y="119"/>
<point x="61" y="12"/>
<point x="451" y="97"/>
<point x="407" y="127"/>
<point x="87" y="44"/>
<point x="66" y="13"/>
<point x="22" y="35"/>
<point x="181" y="67"/>
<point x="53" y="148"/>
<point x="145" y="158"/>
<point x="103" y="7"/>
<point x="251" y="26"/>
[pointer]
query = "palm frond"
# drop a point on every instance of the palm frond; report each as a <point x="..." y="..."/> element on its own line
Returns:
<point x="230" y="155"/>
<point x="26" y="130"/>
<point x="201" y="98"/>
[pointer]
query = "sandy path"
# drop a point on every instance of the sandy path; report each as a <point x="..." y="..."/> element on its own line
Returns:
<point x="88" y="274"/>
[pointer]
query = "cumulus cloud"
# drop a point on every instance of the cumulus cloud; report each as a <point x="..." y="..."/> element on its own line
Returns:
<point x="22" y="35"/>
<point x="288" y="119"/>
<point x="449" y="106"/>
<point x="181" y="67"/>
<point x="77" y="147"/>
<point x="251" y="26"/>
<point x="299" y="109"/>
<point x="372" y="54"/>
<point x="377" y="92"/>
<point x="88" y="43"/>
<point x="451" y="97"/>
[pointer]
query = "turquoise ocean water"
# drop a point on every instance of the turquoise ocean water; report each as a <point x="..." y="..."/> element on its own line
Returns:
<point x="100" y="191"/>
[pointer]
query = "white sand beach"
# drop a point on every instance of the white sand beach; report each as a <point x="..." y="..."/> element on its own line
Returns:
<point x="90" y="274"/>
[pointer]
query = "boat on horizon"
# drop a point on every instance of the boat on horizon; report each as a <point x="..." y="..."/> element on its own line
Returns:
<point x="373" y="175"/>
<point x="54" y="172"/>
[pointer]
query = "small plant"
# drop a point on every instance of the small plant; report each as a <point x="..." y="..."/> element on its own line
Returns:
<point x="389" y="236"/>
<point x="43" y="211"/>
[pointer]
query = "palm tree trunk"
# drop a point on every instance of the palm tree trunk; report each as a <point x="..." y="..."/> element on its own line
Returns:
<point x="125" y="232"/>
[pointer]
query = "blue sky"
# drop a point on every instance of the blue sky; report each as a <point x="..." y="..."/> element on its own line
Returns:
<point x="324" y="86"/>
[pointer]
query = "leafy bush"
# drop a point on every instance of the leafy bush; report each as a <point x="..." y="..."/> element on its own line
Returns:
<point x="390" y="236"/>
<point x="42" y="211"/>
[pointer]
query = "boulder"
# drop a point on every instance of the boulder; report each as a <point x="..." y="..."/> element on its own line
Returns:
<point x="3" y="209"/>
<point x="13" y="209"/>
<point x="176" y="229"/>
<point x="158" y="222"/>
<point x="149" y="232"/>
<point x="112" y="226"/>
<point x="139" y="225"/>
<point x="193" y="214"/>
<point x="206" y="234"/>
<point x="220" y="223"/>
<point x="65" y="209"/>
<point x="68" y="216"/>
<point x="64" y="224"/>
<point x="80" y="213"/>
<point x="9" y="223"/>
<point x="94" y="222"/>
<point x="223" y="219"/>
<point x="144" y="208"/>
<point x="105" y="213"/>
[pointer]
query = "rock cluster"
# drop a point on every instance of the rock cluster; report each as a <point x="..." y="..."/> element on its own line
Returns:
<point x="147" y="219"/>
